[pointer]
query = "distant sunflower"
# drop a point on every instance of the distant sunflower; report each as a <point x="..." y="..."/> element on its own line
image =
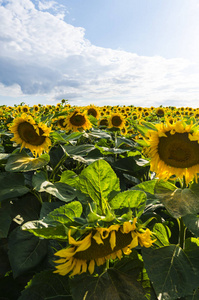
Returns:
<point x="99" y="245"/>
<point x="93" y="111"/>
<point x="61" y="123"/>
<point x="116" y="120"/>
<point x="35" y="108"/>
<point x="31" y="135"/>
<point x="103" y="122"/>
<point x="25" y="108"/>
<point x="174" y="150"/>
<point x="76" y="121"/>
<point x="160" y="112"/>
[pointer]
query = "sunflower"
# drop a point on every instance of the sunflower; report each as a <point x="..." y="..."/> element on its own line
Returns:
<point x="160" y="112"/>
<point x="35" y="108"/>
<point x="25" y="109"/>
<point x="60" y="122"/>
<point x="99" y="245"/>
<point x="116" y="120"/>
<point x="93" y="111"/>
<point x="77" y="120"/>
<point x="174" y="150"/>
<point x="103" y="122"/>
<point x="31" y="135"/>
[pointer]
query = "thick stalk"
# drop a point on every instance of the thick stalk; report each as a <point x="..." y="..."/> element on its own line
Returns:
<point x="182" y="232"/>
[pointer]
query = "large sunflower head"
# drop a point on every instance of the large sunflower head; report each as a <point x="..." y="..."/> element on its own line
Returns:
<point x="99" y="245"/>
<point x="116" y="120"/>
<point x="76" y="121"/>
<point x="174" y="150"/>
<point x="31" y="135"/>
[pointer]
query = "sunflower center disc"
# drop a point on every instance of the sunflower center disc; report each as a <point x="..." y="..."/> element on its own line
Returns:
<point x="28" y="134"/>
<point x="77" y="120"/>
<point x="92" y="111"/>
<point x="178" y="151"/>
<point x="102" y="250"/>
<point x="116" y="121"/>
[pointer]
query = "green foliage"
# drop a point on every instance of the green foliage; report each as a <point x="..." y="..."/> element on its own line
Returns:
<point x="89" y="179"/>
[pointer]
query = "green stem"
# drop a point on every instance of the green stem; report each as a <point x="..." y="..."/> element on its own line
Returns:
<point x="38" y="196"/>
<point x="182" y="232"/>
<point x="54" y="172"/>
<point x="106" y="265"/>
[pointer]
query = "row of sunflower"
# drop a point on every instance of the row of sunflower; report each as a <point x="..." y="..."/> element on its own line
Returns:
<point x="99" y="202"/>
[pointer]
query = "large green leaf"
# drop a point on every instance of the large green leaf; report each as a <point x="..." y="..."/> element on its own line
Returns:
<point x="112" y="284"/>
<point x="54" y="225"/>
<point x="127" y="280"/>
<point x="45" y="286"/>
<point x="60" y="190"/>
<point x="131" y="165"/>
<point x="23" y="163"/>
<point x="25" y="251"/>
<point x="146" y="186"/>
<point x="25" y="209"/>
<point x="80" y="150"/>
<point x="178" y="202"/>
<point x="5" y="218"/>
<point x="132" y="199"/>
<point x="11" y="185"/>
<point x="70" y="177"/>
<point x="97" y="181"/>
<point x="192" y="223"/>
<point x="171" y="271"/>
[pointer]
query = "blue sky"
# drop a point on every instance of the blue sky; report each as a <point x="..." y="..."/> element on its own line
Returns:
<point x="107" y="52"/>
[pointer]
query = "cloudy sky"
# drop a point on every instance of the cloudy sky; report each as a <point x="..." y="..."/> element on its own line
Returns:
<point x="107" y="52"/>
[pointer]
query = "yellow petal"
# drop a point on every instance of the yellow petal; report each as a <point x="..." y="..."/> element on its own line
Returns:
<point x="86" y="243"/>
<point x="113" y="240"/>
<point x="91" y="266"/>
<point x="97" y="238"/>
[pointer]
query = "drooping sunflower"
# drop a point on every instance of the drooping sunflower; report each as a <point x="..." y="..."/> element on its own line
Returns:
<point x="76" y="121"/>
<point x="99" y="245"/>
<point x="116" y="120"/>
<point x="174" y="150"/>
<point x="31" y="135"/>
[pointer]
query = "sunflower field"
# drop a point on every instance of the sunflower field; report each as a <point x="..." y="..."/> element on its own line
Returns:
<point x="99" y="203"/>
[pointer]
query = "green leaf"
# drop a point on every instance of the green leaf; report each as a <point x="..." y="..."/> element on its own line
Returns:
<point x="25" y="251"/>
<point x="54" y="225"/>
<point x="47" y="285"/>
<point x="162" y="234"/>
<point x="97" y="181"/>
<point x="178" y="202"/>
<point x="80" y="150"/>
<point x="70" y="177"/>
<point x="112" y="284"/>
<point x="171" y="271"/>
<point x="146" y="186"/>
<point x="132" y="199"/>
<point x="192" y="223"/>
<point x="192" y="250"/>
<point x="11" y="185"/>
<point x="24" y="163"/>
<point x="131" y="165"/>
<point x="5" y="219"/>
<point x="60" y="190"/>
<point x="100" y="134"/>
<point x="149" y="126"/>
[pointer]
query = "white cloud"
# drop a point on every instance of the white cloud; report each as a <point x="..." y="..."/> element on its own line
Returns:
<point x="42" y="55"/>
